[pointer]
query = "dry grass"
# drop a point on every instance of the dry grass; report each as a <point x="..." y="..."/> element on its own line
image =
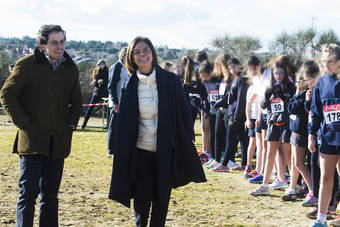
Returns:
<point x="223" y="201"/>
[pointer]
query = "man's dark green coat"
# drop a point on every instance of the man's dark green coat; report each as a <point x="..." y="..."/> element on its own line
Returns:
<point x="42" y="102"/>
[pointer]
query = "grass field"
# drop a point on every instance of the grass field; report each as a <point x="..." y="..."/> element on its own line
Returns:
<point x="223" y="201"/>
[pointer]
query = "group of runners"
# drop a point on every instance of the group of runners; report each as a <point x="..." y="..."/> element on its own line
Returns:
<point x="289" y="115"/>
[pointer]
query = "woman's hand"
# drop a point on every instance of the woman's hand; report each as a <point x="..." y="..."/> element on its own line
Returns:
<point x="311" y="143"/>
<point x="258" y="121"/>
<point x="309" y="94"/>
<point x="249" y="124"/>
<point x="116" y="108"/>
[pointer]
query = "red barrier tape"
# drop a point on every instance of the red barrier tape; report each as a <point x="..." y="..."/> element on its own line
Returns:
<point x="95" y="104"/>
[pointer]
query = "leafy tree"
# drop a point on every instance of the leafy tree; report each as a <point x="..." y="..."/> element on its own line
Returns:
<point x="326" y="37"/>
<point x="5" y="62"/>
<point x="239" y="46"/>
<point x="29" y="42"/>
<point x="302" y="44"/>
<point x="85" y="79"/>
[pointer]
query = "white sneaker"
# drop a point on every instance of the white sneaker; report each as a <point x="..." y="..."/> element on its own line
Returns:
<point x="262" y="190"/>
<point x="231" y="164"/>
<point x="209" y="162"/>
<point x="277" y="184"/>
<point x="212" y="164"/>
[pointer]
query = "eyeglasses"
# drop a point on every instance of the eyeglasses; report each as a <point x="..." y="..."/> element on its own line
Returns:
<point x="56" y="43"/>
<point x="279" y="73"/>
<point x="303" y="81"/>
<point x="138" y="52"/>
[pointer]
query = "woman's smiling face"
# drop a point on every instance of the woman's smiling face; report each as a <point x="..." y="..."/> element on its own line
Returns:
<point x="142" y="57"/>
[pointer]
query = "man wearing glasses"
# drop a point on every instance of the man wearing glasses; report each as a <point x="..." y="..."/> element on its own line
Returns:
<point x="43" y="98"/>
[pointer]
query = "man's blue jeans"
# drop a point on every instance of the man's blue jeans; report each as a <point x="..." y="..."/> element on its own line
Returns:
<point x="39" y="174"/>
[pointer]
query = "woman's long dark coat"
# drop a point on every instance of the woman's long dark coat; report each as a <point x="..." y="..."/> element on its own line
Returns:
<point x="177" y="160"/>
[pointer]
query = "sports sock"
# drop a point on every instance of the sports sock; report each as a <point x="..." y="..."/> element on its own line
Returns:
<point x="321" y="218"/>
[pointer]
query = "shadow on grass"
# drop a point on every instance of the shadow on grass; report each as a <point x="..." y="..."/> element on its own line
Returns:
<point x="92" y="129"/>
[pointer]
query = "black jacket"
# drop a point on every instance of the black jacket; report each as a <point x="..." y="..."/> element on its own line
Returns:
<point x="177" y="159"/>
<point x="196" y="95"/>
<point x="101" y="89"/>
<point x="280" y="94"/>
<point x="237" y="99"/>
<point x="298" y="114"/>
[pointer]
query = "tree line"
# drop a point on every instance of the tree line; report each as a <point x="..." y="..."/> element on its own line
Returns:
<point x="298" y="45"/>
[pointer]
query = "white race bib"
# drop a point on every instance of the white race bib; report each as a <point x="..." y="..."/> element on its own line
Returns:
<point x="214" y="96"/>
<point x="276" y="105"/>
<point x="222" y="88"/>
<point x="331" y="113"/>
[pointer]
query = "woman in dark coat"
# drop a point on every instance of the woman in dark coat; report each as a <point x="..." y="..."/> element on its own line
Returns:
<point x="154" y="148"/>
<point x="100" y="76"/>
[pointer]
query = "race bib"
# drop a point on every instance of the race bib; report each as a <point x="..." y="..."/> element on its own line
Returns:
<point x="194" y="95"/>
<point x="276" y="105"/>
<point x="331" y="113"/>
<point x="214" y="96"/>
<point x="222" y="88"/>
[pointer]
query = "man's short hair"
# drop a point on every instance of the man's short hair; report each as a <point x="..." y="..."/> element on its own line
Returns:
<point x="47" y="29"/>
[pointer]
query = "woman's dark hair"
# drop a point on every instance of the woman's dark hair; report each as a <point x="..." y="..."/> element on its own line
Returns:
<point x="98" y="71"/>
<point x="201" y="56"/>
<point x="290" y="68"/>
<point x="285" y="81"/>
<point x="130" y="65"/>
<point x="252" y="63"/>
<point x="234" y="61"/>
<point x="47" y="29"/>
<point x="205" y="67"/>
<point x="310" y="68"/>
<point x="188" y="65"/>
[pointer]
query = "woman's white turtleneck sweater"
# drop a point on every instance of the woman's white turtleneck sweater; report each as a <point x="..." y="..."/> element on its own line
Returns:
<point x="148" y="111"/>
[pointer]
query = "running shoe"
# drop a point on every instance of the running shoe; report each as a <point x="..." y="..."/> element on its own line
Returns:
<point x="310" y="201"/>
<point x="257" y="179"/>
<point x="287" y="177"/>
<point x="262" y="190"/>
<point x="277" y="184"/>
<point x="250" y="174"/>
<point x="289" y="195"/>
<point x="314" y="213"/>
<point x="209" y="162"/>
<point x="317" y="224"/>
<point x="301" y="191"/>
<point x="213" y="165"/>
<point x="204" y="158"/>
<point x="231" y="164"/>
<point x="238" y="168"/>
<point x="332" y="209"/>
<point x="247" y="170"/>
<point x="220" y="168"/>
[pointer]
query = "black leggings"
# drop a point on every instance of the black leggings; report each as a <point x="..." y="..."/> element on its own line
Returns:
<point x="221" y="125"/>
<point x="235" y="131"/>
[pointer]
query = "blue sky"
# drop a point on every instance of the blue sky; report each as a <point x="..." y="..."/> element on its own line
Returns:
<point x="176" y="23"/>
